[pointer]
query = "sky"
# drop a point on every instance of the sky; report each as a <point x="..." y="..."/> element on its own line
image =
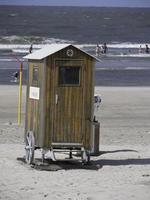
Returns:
<point x="109" y="3"/>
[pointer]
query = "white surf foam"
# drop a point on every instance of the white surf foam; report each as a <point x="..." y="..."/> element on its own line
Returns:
<point x="117" y="45"/>
<point x="24" y="48"/>
<point x="142" y="55"/>
<point x="6" y="59"/>
<point x="10" y="60"/>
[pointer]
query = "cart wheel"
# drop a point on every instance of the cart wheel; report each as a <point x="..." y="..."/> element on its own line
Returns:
<point x="29" y="147"/>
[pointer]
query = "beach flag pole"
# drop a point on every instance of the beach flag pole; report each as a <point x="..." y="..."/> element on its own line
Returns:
<point x="20" y="95"/>
<point x="20" y="89"/>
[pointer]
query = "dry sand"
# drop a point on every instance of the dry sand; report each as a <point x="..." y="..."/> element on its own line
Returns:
<point x="124" y="171"/>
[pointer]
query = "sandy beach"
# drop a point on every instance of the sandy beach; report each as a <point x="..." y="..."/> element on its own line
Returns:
<point x="123" y="167"/>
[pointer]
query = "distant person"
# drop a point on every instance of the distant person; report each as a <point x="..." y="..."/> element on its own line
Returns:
<point x="101" y="49"/>
<point x="30" y="49"/>
<point x="140" y="49"/>
<point x="16" y="76"/>
<point x="105" y="48"/>
<point x="97" y="50"/>
<point x="129" y="51"/>
<point x="146" y="48"/>
<point x="97" y="101"/>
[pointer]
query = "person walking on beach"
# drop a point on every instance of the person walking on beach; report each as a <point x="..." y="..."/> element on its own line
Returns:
<point x="140" y="49"/>
<point x="30" y="49"/>
<point x="16" y="76"/>
<point x="146" y="48"/>
<point x="105" y="48"/>
<point x="97" y="50"/>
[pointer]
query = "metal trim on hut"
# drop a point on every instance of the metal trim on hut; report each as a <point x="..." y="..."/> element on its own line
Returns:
<point x="60" y="106"/>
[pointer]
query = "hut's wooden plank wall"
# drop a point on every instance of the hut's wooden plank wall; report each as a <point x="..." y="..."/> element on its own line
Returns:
<point x="33" y="117"/>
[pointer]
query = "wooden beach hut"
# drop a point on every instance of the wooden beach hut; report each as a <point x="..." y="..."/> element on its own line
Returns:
<point x="59" y="105"/>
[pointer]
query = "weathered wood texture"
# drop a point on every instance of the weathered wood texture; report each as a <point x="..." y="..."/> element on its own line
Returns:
<point x="33" y="106"/>
<point x="69" y="120"/>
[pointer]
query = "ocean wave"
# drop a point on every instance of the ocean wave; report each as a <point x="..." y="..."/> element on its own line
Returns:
<point x="127" y="45"/>
<point x="140" y="55"/>
<point x="136" y="68"/>
<point x="21" y="44"/>
<point x="14" y="39"/>
<point x="10" y="60"/>
<point x="18" y="46"/>
<point x="39" y="40"/>
<point x="116" y="45"/>
<point x="114" y="48"/>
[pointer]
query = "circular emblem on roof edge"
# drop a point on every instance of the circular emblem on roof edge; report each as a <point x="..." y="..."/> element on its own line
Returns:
<point x="69" y="52"/>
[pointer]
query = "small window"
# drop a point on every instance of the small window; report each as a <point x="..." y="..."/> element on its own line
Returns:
<point x="69" y="76"/>
<point x="35" y="74"/>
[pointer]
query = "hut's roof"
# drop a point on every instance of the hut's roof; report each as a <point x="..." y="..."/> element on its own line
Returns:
<point x="51" y="49"/>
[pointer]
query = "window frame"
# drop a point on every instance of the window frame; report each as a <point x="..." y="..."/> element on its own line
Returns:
<point x="60" y="84"/>
<point x="35" y="81"/>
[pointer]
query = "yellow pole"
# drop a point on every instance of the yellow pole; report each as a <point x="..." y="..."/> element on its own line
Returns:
<point x="20" y="96"/>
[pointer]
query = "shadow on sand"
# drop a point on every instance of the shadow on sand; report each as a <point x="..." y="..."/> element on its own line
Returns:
<point x="118" y="162"/>
<point x="132" y="161"/>
<point x="70" y="164"/>
<point x="117" y="151"/>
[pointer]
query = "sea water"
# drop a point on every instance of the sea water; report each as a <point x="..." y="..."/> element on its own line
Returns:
<point x="123" y="29"/>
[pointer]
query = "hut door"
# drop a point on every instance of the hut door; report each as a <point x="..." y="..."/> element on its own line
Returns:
<point x="69" y="106"/>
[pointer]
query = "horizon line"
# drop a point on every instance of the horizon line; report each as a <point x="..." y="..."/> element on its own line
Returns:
<point x="92" y="6"/>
